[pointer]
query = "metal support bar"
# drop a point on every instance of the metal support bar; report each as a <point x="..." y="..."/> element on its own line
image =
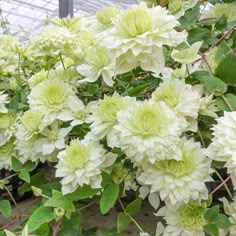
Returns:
<point x="65" y="8"/>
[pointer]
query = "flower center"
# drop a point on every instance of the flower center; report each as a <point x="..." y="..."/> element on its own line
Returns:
<point x="54" y="94"/>
<point x="108" y="109"/>
<point x="176" y="168"/>
<point x="97" y="57"/>
<point x="191" y="217"/>
<point x="76" y="155"/>
<point x="134" y="22"/>
<point x="6" y="120"/>
<point x="81" y="114"/>
<point x="31" y="120"/>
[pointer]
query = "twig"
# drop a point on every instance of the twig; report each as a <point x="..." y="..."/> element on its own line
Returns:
<point x="58" y="225"/>
<point x="86" y="206"/>
<point x="219" y="186"/>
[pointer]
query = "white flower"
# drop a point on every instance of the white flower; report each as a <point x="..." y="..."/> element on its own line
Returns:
<point x="223" y="146"/>
<point x="3" y="101"/>
<point x="51" y="97"/>
<point x="138" y="36"/>
<point x="82" y="163"/>
<point x="208" y="106"/>
<point x="187" y="220"/>
<point x="32" y="122"/>
<point x="28" y="150"/>
<point x="77" y="113"/>
<point x="7" y="126"/>
<point x="6" y="152"/>
<point x="38" y="78"/>
<point x="147" y="130"/>
<point x="98" y="63"/>
<point x="104" y="15"/>
<point x="53" y="138"/>
<point x="104" y="114"/>
<point x="230" y="210"/>
<point x="180" y="180"/>
<point x="180" y="97"/>
<point x="188" y="55"/>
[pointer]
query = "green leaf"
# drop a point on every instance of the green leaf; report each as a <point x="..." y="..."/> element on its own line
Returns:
<point x="40" y="216"/>
<point x="43" y="230"/>
<point x="190" y="17"/>
<point x="212" y="213"/>
<point x="138" y="90"/>
<point x="29" y="166"/>
<point x="5" y="208"/>
<point x="226" y="69"/>
<point x="123" y="222"/>
<point x="106" y="179"/>
<point x="16" y="164"/>
<point x="198" y="34"/>
<point x="231" y="98"/>
<point x="214" y="85"/>
<point x="60" y="201"/>
<point x="24" y="175"/>
<point x="222" y="221"/>
<point x="109" y="197"/>
<point x="134" y="207"/>
<point x="211" y="229"/>
<point x="82" y="193"/>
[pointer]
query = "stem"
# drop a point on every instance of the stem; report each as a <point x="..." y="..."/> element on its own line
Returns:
<point x="10" y="176"/>
<point x="207" y="64"/>
<point x="134" y="221"/>
<point x="86" y="206"/>
<point x="201" y="138"/>
<point x="227" y="102"/>
<point x="58" y="226"/>
<point x="12" y="198"/>
<point x="217" y="42"/>
<point x="62" y="61"/>
<point x="219" y="186"/>
<point x="225" y="185"/>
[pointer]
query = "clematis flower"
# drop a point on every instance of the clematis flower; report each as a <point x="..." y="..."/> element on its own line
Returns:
<point x="82" y="163"/>
<point x="3" y="101"/>
<point x="179" y="181"/>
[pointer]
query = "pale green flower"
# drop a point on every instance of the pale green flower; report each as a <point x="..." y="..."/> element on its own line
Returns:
<point x="7" y="126"/>
<point x="188" y="55"/>
<point x="3" y="100"/>
<point x="38" y="78"/>
<point x="98" y="63"/>
<point x="104" y="114"/>
<point x="147" y="131"/>
<point x="179" y="181"/>
<point x="7" y="151"/>
<point x="29" y="150"/>
<point x="54" y="41"/>
<point x="150" y="3"/>
<point x="82" y="163"/>
<point x="221" y="9"/>
<point x="187" y="220"/>
<point x="138" y="36"/>
<point x="208" y="106"/>
<point x="105" y="15"/>
<point x="230" y="210"/>
<point x="181" y="98"/>
<point x="50" y="97"/>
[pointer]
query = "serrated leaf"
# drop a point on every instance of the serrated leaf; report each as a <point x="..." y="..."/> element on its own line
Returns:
<point x="134" y="207"/>
<point x="5" y="208"/>
<point x="123" y="222"/>
<point x="212" y="213"/>
<point x="24" y="175"/>
<point x="82" y="193"/>
<point x="60" y="201"/>
<point x="40" y="216"/>
<point x="211" y="229"/>
<point x="222" y="221"/>
<point x="109" y="197"/>
<point x="16" y="164"/>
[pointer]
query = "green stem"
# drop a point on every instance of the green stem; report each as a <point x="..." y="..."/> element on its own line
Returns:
<point x="132" y="219"/>
<point x="225" y="185"/>
<point x="201" y="138"/>
<point x="62" y="61"/>
<point x="227" y="102"/>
